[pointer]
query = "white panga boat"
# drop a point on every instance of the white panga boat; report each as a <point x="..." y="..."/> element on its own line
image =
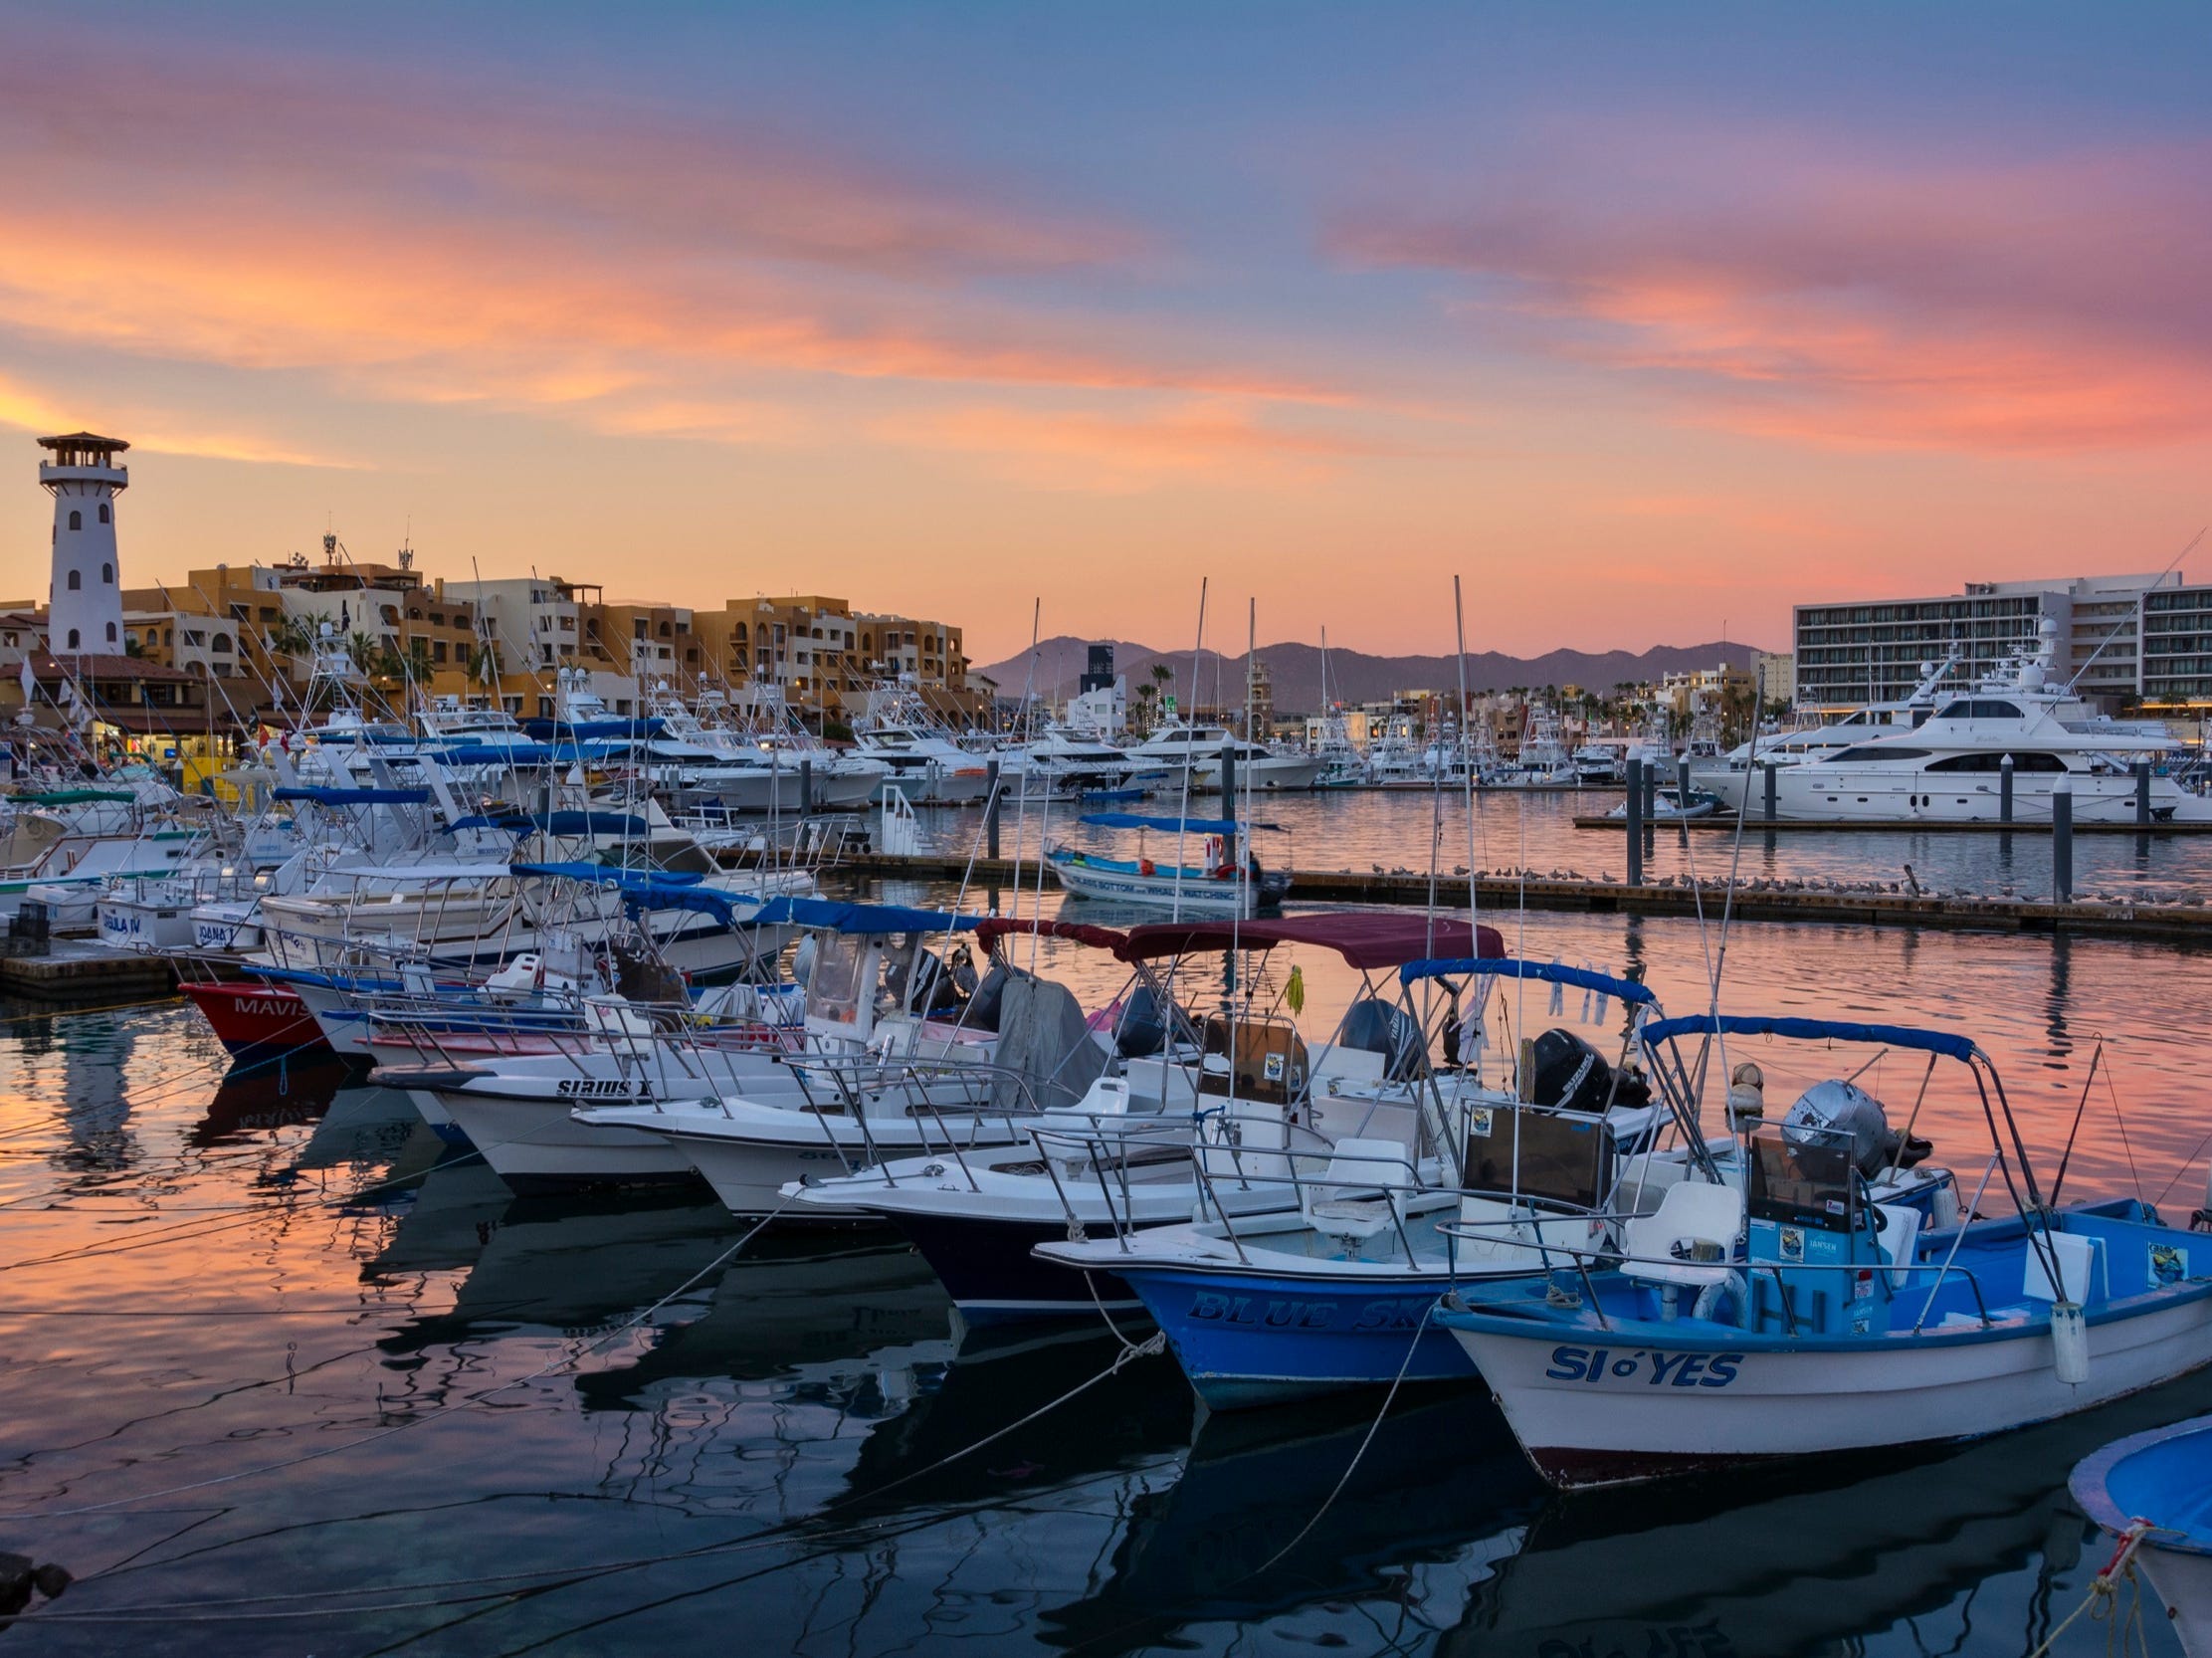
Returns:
<point x="1798" y="1318"/>
<point x="1218" y="884"/>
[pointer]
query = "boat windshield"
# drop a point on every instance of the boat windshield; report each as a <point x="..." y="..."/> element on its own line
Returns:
<point x="1798" y="1180"/>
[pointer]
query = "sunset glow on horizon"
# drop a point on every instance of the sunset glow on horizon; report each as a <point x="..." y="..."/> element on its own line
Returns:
<point x="1640" y="321"/>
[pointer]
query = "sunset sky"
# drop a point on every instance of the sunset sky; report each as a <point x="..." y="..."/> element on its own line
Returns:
<point x="1638" y="318"/>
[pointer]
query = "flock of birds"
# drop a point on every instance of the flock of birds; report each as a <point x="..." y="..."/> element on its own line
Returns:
<point x="1717" y="886"/>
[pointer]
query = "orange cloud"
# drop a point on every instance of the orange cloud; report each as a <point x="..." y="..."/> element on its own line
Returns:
<point x="590" y="264"/>
<point x="1119" y="451"/>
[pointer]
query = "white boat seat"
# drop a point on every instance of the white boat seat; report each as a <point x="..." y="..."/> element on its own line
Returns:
<point x="1900" y="1233"/>
<point x="2078" y="1261"/>
<point x="1692" y="1212"/>
<point x="1331" y="1205"/>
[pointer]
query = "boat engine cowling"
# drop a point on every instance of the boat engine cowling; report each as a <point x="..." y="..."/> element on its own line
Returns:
<point x="1374" y="1026"/>
<point x="1141" y="1029"/>
<point x="1571" y="1075"/>
<point x="1847" y="1109"/>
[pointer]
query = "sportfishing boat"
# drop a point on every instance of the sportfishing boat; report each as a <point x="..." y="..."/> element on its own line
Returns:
<point x="1544" y="760"/>
<point x="1803" y="1313"/>
<point x="1196" y="752"/>
<point x="1225" y="1085"/>
<point x="919" y="757"/>
<point x="62" y="846"/>
<point x="2153" y="1492"/>
<point x="1218" y="884"/>
<point x="1599" y="765"/>
<point x="1068" y="765"/>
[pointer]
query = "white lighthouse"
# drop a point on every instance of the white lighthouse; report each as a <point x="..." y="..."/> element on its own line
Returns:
<point x="85" y="608"/>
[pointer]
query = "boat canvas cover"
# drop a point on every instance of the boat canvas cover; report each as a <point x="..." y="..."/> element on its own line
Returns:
<point x="1045" y="1041"/>
<point x="1364" y="937"/>
<point x="1810" y="1030"/>
<point x="1552" y="973"/>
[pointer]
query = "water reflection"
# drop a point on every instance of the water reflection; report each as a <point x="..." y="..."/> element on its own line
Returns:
<point x="1808" y="1561"/>
<point x="995" y="1378"/>
<point x="255" y="1100"/>
<point x="1441" y="1481"/>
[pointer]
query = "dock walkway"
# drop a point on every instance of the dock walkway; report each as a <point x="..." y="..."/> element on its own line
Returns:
<point x="1791" y="900"/>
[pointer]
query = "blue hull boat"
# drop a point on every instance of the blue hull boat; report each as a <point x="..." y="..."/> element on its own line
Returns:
<point x="2153" y="1492"/>
<point x="1247" y="1339"/>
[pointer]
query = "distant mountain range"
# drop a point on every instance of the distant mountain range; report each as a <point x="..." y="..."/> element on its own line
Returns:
<point x="1353" y="676"/>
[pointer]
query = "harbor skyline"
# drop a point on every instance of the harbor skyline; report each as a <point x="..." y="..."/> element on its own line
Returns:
<point x="1736" y="313"/>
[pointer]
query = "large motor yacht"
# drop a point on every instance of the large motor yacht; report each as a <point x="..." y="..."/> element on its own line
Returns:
<point x="1950" y="767"/>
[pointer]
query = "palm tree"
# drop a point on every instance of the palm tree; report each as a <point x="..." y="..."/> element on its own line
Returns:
<point x="1163" y="683"/>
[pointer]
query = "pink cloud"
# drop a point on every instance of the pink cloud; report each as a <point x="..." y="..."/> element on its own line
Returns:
<point x="1993" y="305"/>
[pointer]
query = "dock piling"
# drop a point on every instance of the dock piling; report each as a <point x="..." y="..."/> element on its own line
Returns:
<point x="2004" y="789"/>
<point x="990" y="810"/>
<point x="2062" y="842"/>
<point x="2142" y="793"/>
<point x="1768" y="765"/>
<point x="1634" y="821"/>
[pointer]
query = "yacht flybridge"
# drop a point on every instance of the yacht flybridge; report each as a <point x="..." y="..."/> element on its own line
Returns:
<point x="1949" y="766"/>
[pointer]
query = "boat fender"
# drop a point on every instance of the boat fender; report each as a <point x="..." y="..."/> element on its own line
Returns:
<point x="1732" y="1290"/>
<point x="2070" y="1343"/>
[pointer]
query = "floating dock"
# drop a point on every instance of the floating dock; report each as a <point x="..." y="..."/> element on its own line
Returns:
<point x="1756" y="825"/>
<point x="78" y="970"/>
<point x="1787" y="902"/>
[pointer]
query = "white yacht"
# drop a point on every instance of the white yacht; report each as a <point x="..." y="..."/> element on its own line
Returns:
<point x="1069" y="765"/>
<point x="1196" y="749"/>
<point x="1599" y="765"/>
<point x="1724" y="777"/>
<point x="1544" y="760"/>
<point x="1950" y="767"/>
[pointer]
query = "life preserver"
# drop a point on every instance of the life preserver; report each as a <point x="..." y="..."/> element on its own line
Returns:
<point x="1145" y="866"/>
<point x="1733" y="1289"/>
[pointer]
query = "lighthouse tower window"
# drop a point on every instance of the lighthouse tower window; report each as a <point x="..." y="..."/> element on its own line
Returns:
<point x="77" y="521"/>
<point x="76" y="581"/>
<point x="72" y="639"/>
<point x="107" y="574"/>
<point x="103" y="511"/>
<point x="111" y="632"/>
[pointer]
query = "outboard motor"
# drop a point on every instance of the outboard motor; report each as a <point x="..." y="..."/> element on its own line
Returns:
<point x="1375" y="1027"/>
<point x="982" y="1008"/>
<point x="1142" y="1028"/>
<point x="1571" y="1075"/>
<point x="1846" y="1109"/>
<point x="933" y="991"/>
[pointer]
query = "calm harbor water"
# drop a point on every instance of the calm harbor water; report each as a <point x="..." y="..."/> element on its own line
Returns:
<point x="1358" y="830"/>
<point x="286" y="1375"/>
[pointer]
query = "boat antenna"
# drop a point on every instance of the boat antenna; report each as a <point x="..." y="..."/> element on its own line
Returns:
<point x="2087" y="1082"/>
<point x="2114" y="632"/>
